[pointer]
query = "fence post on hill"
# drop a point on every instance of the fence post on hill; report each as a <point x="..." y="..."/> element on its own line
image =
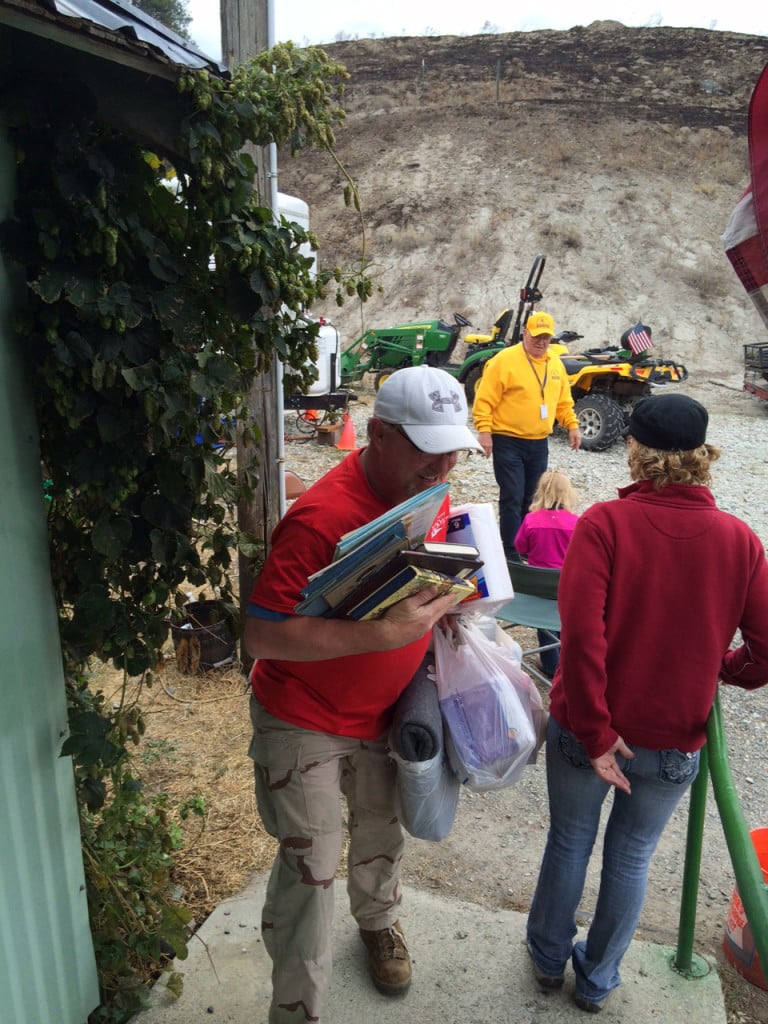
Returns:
<point x="245" y="31"/>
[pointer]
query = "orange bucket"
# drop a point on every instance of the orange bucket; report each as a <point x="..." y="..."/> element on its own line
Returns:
<point x="738" y="944"/>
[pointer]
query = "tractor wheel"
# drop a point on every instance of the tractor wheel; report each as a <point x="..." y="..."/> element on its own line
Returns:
<point x="471" y="381"/>
<point x="381" y="376"/>
<point x="601" y="422"/>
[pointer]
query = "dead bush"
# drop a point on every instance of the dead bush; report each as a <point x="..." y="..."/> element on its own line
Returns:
<point x="707" y="280"/>
<point x="402" y="239"/>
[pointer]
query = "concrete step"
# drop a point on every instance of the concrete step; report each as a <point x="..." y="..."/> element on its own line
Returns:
<point x="470" y="966"/>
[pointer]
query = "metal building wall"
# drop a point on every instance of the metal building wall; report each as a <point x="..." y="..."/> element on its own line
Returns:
<point x="47" y="967"/>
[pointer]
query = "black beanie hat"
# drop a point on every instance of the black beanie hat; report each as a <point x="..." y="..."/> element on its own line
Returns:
<point x="669" y="423"/>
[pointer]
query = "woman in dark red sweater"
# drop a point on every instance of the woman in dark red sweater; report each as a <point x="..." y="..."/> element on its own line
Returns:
<point x="654" y="587"/>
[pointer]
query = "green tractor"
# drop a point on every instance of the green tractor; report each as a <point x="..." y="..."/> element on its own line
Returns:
<point x="383" y="350"/>
<point x="605" y="382"/>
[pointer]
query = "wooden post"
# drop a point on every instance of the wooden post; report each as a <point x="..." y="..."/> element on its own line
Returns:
<point x="245" y="31"/>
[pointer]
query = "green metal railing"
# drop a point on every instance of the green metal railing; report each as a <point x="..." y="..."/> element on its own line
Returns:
<point x="748" y="873"/>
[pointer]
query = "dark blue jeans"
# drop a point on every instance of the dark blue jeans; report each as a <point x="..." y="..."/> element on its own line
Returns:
<point x="549" y="659"/>
<point x="517" y="465"/>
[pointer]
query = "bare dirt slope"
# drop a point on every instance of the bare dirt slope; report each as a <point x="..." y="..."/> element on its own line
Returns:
<point x="618" y="153"/>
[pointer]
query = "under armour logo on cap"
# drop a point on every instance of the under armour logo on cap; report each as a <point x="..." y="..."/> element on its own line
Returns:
<point x="438" y="403"/>
<point x="430" y="407"/>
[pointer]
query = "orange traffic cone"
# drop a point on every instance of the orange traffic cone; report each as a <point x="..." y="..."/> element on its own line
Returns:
<point x="310" y="414"/>
<point x="347" y="440"/>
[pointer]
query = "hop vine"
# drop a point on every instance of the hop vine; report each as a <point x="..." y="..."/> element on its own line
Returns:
<point x="158" y="286"/>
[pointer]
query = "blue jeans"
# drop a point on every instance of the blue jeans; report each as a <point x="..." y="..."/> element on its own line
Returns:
<point x="517" y="465"/>
<point x="659" y="778"/>
<point x="549" y="659"/>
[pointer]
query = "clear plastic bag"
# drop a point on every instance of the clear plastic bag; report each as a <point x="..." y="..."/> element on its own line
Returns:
<point x="508" y="654"/>
<point x="490" y="734"/>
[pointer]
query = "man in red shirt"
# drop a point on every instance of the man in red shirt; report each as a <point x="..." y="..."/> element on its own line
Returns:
<point x="323" y="690"/>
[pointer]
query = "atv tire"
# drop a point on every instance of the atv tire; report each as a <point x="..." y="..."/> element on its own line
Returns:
<point x="601" y="421"/>
<point x="471" y="381"/>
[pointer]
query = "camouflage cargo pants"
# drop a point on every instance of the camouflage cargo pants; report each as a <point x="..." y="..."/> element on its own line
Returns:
<point x="300" y="778"/>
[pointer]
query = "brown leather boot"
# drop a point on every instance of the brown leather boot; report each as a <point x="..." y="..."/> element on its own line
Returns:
<point x="388" y="959"/>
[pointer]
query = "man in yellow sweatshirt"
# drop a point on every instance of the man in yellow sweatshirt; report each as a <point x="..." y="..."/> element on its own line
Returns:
<point x="523" y="390"/>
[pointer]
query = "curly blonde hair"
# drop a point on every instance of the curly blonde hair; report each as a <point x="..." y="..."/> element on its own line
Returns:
<point x="554" y="490"/>
<point x="662" y="468"/>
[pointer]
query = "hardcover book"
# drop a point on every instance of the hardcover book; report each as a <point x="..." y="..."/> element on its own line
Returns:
<point x="366" y="559"/>
<point x="446" y="562"/>
<point x="330" y="585"/>
<point x="402" y="564"/>
<point x="408" y="581"/>
<point x="416" y="514"/>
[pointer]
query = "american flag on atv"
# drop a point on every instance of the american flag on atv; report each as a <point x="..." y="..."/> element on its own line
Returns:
<point x="638" y="339"/>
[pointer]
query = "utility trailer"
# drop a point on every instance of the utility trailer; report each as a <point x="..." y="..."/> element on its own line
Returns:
<point x="756" y="370"/>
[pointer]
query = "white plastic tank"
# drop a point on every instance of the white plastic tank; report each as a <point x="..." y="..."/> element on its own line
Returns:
<point x="328" y="345"/>
<point x="296" y="210"/>
<point x="327" y="363"/>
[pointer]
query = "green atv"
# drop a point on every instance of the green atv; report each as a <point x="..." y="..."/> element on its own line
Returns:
<point x="433" y="342"/>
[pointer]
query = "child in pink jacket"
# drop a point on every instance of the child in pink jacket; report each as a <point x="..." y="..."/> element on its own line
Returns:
<point x="544" y="536"/>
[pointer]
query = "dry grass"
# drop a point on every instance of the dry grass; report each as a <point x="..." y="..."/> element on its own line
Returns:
<point x="561" y="234"/>
<point x="401" y="239"/>
<point x="196" y="744"/>
<point x="706" y="280"/>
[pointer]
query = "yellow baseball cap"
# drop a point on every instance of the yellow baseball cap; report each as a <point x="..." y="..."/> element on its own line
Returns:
<point x="540" y="323"/>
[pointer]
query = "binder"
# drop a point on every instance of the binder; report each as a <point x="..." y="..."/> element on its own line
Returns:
<point x="369" y="557"/>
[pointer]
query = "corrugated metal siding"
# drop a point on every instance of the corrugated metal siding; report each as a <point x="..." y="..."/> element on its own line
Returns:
<point x="47" y="968"/>
<point x="131" y="22"/>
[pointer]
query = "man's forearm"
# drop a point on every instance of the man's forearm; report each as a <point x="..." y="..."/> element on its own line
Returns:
<point x="306" y="638"/>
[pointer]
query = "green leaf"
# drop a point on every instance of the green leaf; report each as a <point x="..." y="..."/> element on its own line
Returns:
<point x="94" y="792"/>
<point x="110" y="536"/>
<point x="164" y="268"/>
<point x="138" y="378"/>
<point x="50" y="284"/>
<point x="175" y="983"/>
<point x="81" y="290"/>
<point x="97" y="372"/>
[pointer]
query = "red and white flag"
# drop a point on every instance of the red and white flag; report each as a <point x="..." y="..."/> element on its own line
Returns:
<point x="745" y="239"/>
<point x="639" y="338"/>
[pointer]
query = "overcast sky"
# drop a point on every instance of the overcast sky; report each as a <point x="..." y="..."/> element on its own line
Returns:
<point x="313" y="21"/>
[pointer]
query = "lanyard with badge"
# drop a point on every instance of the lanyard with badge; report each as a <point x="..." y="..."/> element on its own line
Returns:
<point x="543" y="414"/>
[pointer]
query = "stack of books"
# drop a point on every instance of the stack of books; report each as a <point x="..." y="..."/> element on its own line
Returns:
<point x="389" y="559"/>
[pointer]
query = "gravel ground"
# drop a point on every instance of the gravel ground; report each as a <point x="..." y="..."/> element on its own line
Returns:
<point x="493" y="852"/>
<point x="738" y="424"/>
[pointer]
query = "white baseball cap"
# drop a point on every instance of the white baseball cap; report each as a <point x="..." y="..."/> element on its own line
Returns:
<point x="430" y="406"/>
